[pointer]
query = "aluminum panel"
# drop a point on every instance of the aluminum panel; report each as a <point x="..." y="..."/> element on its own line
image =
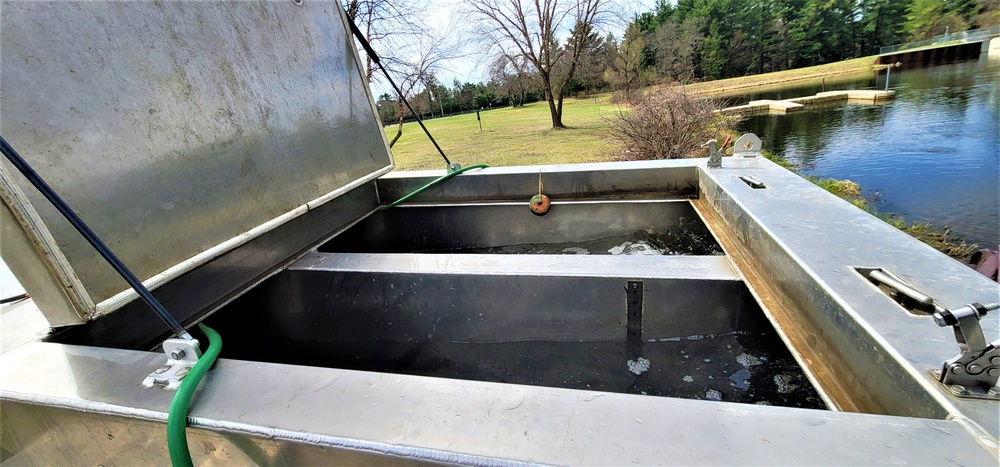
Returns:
<point x="53" y="387"/>
<point x="180" y="130"/>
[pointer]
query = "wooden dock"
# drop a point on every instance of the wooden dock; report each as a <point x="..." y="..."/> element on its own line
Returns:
<point x="768" y="106"/>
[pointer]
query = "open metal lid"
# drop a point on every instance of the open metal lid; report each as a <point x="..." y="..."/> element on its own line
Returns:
<point x="177" y="130"/>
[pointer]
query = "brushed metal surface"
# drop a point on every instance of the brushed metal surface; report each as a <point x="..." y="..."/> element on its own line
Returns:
<point x="599" y="180"/>
<point x="337" y="413"/>
<point x="419" y="227"/>
<point x="208" y="287"/>
<point x="176" y="127"/>
<point x="336" y="301"/>
<point x="809" y="243"/>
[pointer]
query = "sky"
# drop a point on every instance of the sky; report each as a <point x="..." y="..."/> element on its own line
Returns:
<point x="445" y="15"/>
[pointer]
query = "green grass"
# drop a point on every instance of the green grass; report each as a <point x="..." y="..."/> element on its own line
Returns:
<point x="510" y="136"/>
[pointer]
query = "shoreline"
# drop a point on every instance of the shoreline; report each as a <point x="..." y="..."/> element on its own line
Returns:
<point x="722" y="86"/>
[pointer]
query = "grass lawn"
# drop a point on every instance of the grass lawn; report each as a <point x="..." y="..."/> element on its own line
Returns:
<point x="524" y="135"/>
<point x="510" y="136"/>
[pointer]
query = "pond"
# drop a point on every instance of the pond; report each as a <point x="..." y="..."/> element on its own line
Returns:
<point x="931" y="155"/>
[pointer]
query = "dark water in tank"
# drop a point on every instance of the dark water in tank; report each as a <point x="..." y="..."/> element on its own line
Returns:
<point x="930" y="155"/>
<point x="738" y="366"/>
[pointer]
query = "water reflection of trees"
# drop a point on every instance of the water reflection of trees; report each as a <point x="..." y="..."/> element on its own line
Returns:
<point x="804" y="137"/>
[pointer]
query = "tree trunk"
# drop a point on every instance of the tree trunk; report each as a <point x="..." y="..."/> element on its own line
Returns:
<point x="399" y="132"/>
<point x="559" y="110"/>
<point x="554" y="110"/>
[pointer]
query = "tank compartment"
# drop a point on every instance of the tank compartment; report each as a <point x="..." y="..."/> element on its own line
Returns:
<point x="670" y="227"/>
<point x="670" y="336"/>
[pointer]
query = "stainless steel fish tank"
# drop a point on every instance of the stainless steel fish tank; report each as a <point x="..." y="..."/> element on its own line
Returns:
<point x="661" y="312"/>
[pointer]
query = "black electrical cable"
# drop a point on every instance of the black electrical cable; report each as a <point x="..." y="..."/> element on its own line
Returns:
<point x="91" y="237"/>
<point x="399" y="92"/>
<point x="15" y="298"/>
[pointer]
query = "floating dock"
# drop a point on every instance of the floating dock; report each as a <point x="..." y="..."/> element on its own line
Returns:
<point x="769" y="106"/>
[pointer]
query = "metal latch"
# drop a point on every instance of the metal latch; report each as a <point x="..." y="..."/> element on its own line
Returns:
<point x="975" y="371"/>
<point x="714" y="158"/>
<point x="182" y="354"/>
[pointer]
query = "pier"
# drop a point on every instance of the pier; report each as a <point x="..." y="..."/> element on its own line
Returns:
<point x="769" y="106"/>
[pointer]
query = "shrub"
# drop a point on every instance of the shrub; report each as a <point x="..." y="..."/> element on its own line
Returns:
<point x="666" y="124"/>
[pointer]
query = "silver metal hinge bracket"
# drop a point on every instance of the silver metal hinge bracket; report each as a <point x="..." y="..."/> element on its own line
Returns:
<point x="748" y="145"/>
<point x="182" y="354"/>
<point x="975" y="371"/>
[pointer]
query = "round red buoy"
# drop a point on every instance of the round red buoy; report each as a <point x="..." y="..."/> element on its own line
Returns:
<point x="539" y="204"/>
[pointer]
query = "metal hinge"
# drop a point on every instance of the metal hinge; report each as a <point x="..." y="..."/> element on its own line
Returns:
<point x="748" y="145"/>
<point x="974" y="372"/>
<point x="182" y="354"/>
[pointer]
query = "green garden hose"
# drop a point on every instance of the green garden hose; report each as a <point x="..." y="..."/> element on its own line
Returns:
<point x="432" y="183"/>
<point x="177" y="418"/>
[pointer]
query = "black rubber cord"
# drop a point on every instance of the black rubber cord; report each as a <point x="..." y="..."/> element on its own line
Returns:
<point x="399" y="92"/>
<point x="36" y="180"/>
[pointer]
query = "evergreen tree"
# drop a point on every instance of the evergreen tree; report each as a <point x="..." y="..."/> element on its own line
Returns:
<point x="929" y="18"/>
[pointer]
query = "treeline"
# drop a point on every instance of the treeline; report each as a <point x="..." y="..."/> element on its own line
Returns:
<point x="709" y="39"/>
<point x="436" y="100"/>
<point x="696" y="40"/>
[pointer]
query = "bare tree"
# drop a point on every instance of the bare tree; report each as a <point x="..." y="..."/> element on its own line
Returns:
<point x="431" y="52"/>
<point x="389" y="25"/>
<point x="677" y="44"/>
<point x="511" y="78"/>
<point x="625" y="72"/>
<point x="528" y="29"/>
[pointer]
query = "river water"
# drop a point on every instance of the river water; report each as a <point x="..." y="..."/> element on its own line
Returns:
<point x="930" y="155"/>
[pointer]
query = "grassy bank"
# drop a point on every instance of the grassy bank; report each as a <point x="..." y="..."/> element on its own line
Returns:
<point x="779" y="77"/>
<point x="510" y="136"/>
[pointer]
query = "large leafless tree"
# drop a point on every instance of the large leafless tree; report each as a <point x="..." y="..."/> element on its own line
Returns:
<point x="410" y="50"/>
<point x="527" y="31"/>
<point x="388" y="25"/>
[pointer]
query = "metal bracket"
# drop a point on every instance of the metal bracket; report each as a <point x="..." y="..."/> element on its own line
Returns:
<point x="975" y="371"/>
<point x="748" y="145"/>
<point x="182" y="354"/>
<point x="714" y="158"/>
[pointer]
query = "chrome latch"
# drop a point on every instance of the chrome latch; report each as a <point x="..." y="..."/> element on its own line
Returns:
<point x="182" y="354"/>
<point x="975" y="371"/>
<point x="714" y="157"/>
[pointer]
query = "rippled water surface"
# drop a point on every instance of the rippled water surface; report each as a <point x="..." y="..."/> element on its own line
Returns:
<point x="930" y="155"/>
